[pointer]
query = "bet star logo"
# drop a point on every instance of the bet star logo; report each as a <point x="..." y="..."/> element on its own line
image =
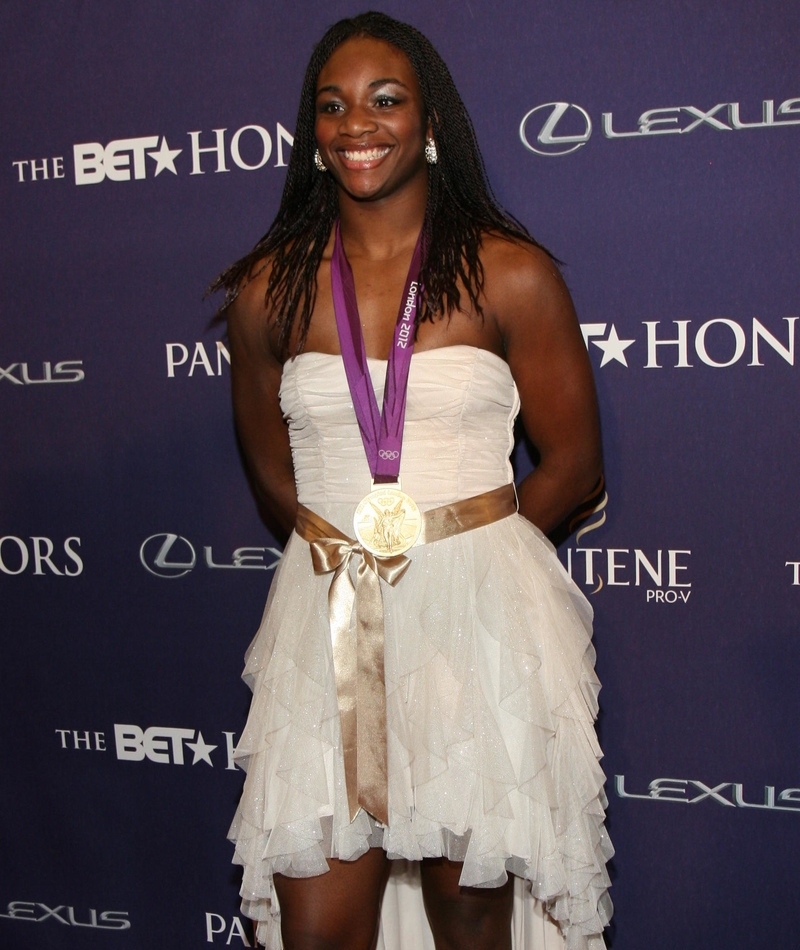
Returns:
<point x="117" y="160"/>
<point x="160" y="744"/>
<point x="613" y="348"/>
<point x="165" y="157"/>
<point x="201" y="749"/>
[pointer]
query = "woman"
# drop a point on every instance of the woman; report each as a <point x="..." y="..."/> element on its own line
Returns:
<point x="435" y="703"/>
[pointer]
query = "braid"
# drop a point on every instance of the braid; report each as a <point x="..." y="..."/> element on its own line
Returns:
<point x="461" y="206"/>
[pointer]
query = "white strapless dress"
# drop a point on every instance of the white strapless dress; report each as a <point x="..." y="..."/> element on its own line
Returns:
<point x="490" y="683"/>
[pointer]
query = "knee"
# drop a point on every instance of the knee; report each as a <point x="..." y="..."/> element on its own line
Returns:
<point x="456" y="924"/>
<point x="479" y="918"/>
<point x="327" y="934"/>
<point x="339" y="910"/>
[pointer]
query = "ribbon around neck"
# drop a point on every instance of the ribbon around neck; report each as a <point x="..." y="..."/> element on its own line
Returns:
<point x="381" y="431"/>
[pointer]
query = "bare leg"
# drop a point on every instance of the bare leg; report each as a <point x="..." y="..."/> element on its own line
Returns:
<point x="339" y="910"/>
<point x="475" y="917"/>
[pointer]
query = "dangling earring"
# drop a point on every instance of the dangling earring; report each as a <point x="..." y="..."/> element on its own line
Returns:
<point x="431" y="155"/>
<point x="319" y="163"/>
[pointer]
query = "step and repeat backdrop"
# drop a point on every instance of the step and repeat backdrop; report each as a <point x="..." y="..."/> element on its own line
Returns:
<point x="654" y="149"/>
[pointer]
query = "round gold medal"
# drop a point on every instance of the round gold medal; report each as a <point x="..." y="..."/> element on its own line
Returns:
<point x="387" y="522"/>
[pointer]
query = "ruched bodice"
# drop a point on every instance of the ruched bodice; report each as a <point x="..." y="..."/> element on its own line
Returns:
<point x="462" y="402"/>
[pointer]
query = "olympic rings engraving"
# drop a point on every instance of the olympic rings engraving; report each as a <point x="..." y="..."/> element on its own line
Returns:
<point x="388" y="454"/>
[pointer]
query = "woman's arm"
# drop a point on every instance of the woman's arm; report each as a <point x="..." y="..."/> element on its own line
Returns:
<point x="548" y="360"/>
<point x="263" y="433"/>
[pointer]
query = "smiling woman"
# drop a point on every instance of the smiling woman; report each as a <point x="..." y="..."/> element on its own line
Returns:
<point x="423" y="676"/>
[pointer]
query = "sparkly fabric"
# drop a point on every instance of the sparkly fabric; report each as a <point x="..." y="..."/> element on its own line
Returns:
<point x="491" y="690"/>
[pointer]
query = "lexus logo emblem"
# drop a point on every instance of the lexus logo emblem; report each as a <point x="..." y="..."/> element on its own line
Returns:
<point x="167" y="555"/>
<point x="547" y="142"/>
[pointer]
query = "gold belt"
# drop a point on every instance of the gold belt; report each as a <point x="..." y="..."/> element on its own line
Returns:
<point x="358" y="663"/>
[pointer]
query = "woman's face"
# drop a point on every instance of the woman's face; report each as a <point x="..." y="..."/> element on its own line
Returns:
<point x="370" y="124"/>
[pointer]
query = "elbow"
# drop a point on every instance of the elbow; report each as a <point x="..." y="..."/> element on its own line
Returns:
<point x="593" y="476"/>
<point x="583" y="471"/>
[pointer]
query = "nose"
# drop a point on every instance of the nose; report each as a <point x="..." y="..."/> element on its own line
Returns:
<point x="356" y="122"/>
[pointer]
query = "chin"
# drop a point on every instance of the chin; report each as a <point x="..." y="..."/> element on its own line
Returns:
<point x="364" y="191"/>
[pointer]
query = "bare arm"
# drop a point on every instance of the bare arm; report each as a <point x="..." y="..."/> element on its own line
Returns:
<point x="263" y="434"/>
<point x="548" y="360"/>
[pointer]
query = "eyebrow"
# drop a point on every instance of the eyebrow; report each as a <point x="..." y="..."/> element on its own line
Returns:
<point x="389" y="80"/>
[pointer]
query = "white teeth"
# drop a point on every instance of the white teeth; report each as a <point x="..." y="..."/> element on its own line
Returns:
<point x="366" y="155"/>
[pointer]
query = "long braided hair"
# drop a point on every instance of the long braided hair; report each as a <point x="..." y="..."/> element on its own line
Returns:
<point x="460" y="208"/>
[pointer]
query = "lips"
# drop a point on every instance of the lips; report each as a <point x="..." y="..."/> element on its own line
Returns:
<point x="363" y="156"/>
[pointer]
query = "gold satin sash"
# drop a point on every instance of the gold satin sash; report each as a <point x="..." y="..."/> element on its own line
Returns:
<point x="358" y="660"/>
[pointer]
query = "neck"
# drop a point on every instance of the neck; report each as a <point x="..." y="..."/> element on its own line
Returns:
<point x="381" y="230"/>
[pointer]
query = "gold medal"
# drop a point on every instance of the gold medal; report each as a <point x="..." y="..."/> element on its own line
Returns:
<point x="387" y="521"/>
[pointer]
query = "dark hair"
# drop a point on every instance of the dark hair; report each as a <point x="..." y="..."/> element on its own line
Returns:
<point x="460" y="206"/>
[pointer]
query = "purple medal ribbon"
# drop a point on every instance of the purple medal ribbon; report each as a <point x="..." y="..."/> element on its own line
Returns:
<point x="381" y="432"/>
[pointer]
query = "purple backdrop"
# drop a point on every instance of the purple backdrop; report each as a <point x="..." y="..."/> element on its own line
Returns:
<point x="654" y="150"/>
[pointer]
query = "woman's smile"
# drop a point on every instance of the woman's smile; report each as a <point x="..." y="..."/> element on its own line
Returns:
<point x="365" y="157"/>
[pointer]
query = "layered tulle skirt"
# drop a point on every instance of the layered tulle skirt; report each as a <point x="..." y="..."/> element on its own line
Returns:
<point x="492" y="756"/>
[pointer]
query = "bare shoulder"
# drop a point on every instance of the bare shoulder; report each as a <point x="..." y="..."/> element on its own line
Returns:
<point x="510" y="257"/>
<point x="249" y="318"/>
<point x="522" y="283"/>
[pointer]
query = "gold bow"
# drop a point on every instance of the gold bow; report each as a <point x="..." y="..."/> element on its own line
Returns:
<point x="358" y="666"/>
<point x="360" y="684"/>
